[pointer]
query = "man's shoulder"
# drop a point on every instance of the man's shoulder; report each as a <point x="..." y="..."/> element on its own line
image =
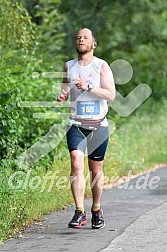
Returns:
<point x="98" y="62"/>
<point x="70" y="63"/>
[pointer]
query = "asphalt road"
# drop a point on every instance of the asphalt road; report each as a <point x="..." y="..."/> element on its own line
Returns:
<point x="135" y="214"/>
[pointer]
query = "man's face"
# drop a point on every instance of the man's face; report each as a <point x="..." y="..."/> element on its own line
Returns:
<point x="84" y="41"/>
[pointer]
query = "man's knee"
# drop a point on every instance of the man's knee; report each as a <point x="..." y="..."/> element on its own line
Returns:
<point x="77" y="160"/>
<point x="96" y="167"/>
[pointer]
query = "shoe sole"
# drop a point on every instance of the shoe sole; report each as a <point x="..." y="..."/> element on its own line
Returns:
<point x="98" y="227"/>
<point x="82" y="224"/>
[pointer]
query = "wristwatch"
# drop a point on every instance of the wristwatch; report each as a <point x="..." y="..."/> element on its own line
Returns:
<point x="89" y="87"/>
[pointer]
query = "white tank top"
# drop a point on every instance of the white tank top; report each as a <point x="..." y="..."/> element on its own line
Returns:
<point x="85" y="105"/>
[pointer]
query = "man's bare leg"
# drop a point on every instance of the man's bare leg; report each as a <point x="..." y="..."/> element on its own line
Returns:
<point x="97" y="179"/>
<point x="96" y="169"/>
<point x="77" y="177"/>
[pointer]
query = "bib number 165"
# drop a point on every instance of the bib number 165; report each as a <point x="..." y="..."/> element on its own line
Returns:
<point x="87" y="109"/>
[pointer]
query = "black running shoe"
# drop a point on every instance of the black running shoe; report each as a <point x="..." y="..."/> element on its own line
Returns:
<point x="78" y="220"/>
<point x="97" y="219"/>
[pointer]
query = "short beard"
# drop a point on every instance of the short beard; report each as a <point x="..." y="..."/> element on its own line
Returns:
<point x="80" y="52"/>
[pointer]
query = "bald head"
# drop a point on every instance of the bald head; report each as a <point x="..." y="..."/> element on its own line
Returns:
<point x="89" y="33"/>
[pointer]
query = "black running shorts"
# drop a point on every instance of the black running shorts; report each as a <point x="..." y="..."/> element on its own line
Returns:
<point x="95" y="141"/>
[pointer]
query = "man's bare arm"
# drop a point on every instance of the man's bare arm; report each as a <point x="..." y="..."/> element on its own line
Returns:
<point x="64" y="89"/>
<point x="107" y="90"/>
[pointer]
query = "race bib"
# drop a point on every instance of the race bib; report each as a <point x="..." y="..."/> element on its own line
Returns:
<point x="88" y="107"/>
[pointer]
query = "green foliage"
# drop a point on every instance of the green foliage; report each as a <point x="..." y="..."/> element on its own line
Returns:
<point x="9" y="115"/>
<point x="49" y="36"/>
<point x="138" y="143"/>
<point x="19" y="61"/>
<point x="130" y="30"/>
<point x="16" y="26"/>
<point x="25" y="51"/>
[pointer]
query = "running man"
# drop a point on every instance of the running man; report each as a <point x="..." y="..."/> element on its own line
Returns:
<point x="89" y="83"/>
